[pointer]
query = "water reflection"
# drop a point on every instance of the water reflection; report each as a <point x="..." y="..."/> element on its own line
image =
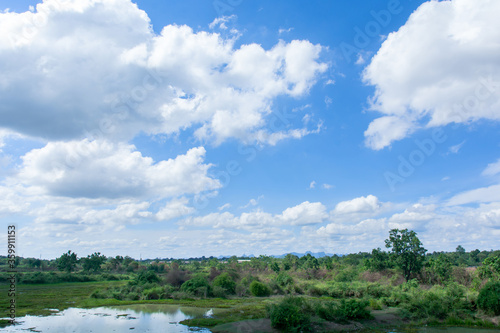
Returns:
<point x="133" y="318"/>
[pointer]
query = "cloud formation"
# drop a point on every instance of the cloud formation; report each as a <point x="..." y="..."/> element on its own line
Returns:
<point x="102" y="169"/>
<point x="418" y="85"/>
<point x="101" y="71"/>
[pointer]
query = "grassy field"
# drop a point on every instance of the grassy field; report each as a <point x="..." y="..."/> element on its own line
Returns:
<point x="232" y="313"/>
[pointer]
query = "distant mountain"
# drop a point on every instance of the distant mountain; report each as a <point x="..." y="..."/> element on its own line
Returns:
<point x="314" y="254"/>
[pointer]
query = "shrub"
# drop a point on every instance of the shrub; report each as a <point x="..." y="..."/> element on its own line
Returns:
<point x="197" y="286"/>
<point x="347" y="274"/>
<point x="283" y="279"/>
<point x="291" y="314"/>
<point x="259" y="289"/>
<point x="219" y="292"/>
<point x="489" y="298"/>
<point x="241" y="290"/>
<point x="354" y="309"/>
<point x="154" y="293"/>
<point x="226" y="282"/>
<point x="147" y="277"/>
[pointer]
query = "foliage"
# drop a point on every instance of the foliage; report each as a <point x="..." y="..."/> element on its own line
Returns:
<point x="259" y="289"/>
<point x="93" y="262"/>
<point x="440" y="268"/>
<point x="489" y="298"/>
<point x="284" y="280"/>
<point x="67" y="262"/>
<point x="490" y="267"/>
<point x="147" y="277"/>
<point x="407" y="251"/>
<point x="291" y="314"/>
<point x="379" y="261"/>
<point x="197" y="286"/>
<point x="226" y="282"/>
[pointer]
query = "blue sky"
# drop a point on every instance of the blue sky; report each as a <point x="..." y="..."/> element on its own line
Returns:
<point x="190" y="128"/>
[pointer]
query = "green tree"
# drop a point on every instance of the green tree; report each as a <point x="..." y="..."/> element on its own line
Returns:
<point x="379" y="261"/>
<point x="440" y="268"/>
<point x="67" y="262"/>
<point x="93" y="262"/>
<point x="225" y="281"/>
<point x="490" y="268"/>
<point x="407" y="251"/>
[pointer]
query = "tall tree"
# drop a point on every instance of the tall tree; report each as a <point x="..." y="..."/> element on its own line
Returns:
<point x="67" y="262"/>
<point x="407" y="251"/>
<point x="93" y="262"/>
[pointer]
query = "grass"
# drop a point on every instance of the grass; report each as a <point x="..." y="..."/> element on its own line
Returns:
<point x="37" y="299"/>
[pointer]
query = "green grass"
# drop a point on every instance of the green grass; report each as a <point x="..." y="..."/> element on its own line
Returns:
<point x="37" y="299"/>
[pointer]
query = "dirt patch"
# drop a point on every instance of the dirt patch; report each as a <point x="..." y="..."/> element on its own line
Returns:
<point x="246" y="326"/>
<point x="382" y="318"/>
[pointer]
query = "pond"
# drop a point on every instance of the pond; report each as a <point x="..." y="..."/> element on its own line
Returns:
<point x="132" y="318"/>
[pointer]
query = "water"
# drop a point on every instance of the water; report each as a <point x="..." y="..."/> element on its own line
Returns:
<point x="131" y="318"/>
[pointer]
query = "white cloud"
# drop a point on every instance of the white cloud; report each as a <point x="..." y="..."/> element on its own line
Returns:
<point x="174" y="208"/>
<point x="456" y="148"/>
<point x="312" y="184"/>
<point x="419" y="85"/>
<point x="413" y="217"/>
<point x="305" y="213"/>
<point x="282" y="30"/>
<point x="492" y="169"/>
<point x="101" y="169"/>
<point x="221" y="22"/>
<point x="368" y="204"/>
<point x="484" y="194"/>
<point x="116" y="78"/>
<point x="253" y="202"/>
<point x="302" y="214"/>
<point x="369" y="226"/>
<point x="327" y="186"/>
<point x="224" y="206"/>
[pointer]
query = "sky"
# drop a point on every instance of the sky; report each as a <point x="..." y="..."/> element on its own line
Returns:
<point x="160" y="129"/>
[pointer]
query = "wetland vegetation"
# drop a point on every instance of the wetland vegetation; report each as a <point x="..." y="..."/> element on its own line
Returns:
<point x="401" y="286"/>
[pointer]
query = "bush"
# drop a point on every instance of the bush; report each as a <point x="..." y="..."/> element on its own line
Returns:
<point x="226" y="282"/>
<point x="489" y="298"/>
<point x="291" y="314"/>
<point x="147" y="277"/>
<point x="154" y="293"/>
<point x="284" y="280"/>
<point x="353" y="309"/>
<point x="219" y="292"/>
<point x="259" y="289"/>
<point x="197" y="286"/>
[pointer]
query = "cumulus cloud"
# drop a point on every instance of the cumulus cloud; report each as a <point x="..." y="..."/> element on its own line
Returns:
<point x="305" y="213"/>
<point x="101" y="71"/>
<point x="413" y="217"/>
<point x="441" y="66"/>
<point x="369" y="226"/>
<point x="368" y="204"/>
<point x="102" y="169"/>
<point x="174" y="208"/>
